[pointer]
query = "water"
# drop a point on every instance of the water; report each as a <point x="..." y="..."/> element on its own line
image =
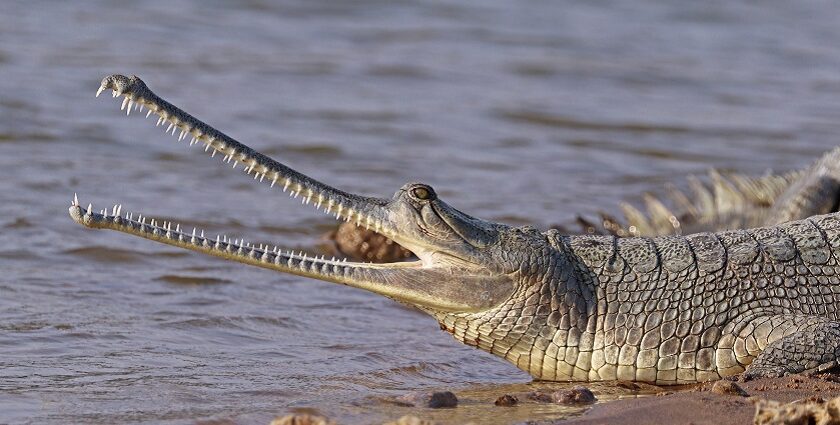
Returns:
<point x="526" y="112"/>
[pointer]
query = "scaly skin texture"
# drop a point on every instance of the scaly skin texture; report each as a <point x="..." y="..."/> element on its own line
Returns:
<point x="668" y="310"/>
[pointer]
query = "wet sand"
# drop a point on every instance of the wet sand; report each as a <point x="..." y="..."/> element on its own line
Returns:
<point x="702" y="405"/>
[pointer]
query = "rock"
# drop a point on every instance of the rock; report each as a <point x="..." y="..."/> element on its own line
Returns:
<point x="434" y="400"/>
<point x="301" y="419"/>
<point x="726" y="387"/>
<point x="361" y="244"/>
<point x="811" y="412"/>
<point x="411" y="420"/>
<point x="540" y="397"/>
<point x="576" y="395"/>
<point x="507" y="400"/>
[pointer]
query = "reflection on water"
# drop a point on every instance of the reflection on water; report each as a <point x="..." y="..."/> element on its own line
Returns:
<point x="522" y="113"/>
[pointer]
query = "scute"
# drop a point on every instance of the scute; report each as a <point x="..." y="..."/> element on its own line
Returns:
<point x="708" y="250"/>
<point x="808" y="240"/>
<point x="775" y="244"/>
<point x="676" y="253"/>
<point x="740" y="246"/>
<point x="594" y="250"/>
<point x="639" y="253"/>
<point x="831" y="226"/>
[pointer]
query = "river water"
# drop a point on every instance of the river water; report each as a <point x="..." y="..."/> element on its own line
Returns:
<point x="522" y="112"/>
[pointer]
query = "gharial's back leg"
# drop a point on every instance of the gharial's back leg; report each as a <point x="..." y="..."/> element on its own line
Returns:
<point x="788" y="344"/>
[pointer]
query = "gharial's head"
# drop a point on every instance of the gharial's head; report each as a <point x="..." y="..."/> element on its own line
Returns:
<point x="460" y="266"/>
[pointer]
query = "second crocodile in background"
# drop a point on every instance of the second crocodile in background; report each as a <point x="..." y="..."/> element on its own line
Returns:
<point x="669" y="310"/>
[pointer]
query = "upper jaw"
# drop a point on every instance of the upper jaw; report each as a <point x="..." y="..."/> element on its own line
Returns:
<point x="371" y="213"/>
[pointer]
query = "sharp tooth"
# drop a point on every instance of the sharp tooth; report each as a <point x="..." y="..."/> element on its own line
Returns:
<point x="159" y="121"/>
<point x="125" y="102"/>
<point x="213" y="154"/>
<point x="173" y="130"/>
<point x="76" y="199"/>
<point x="90" y="208"/>
<point x="235" y="163"/>
<point x="130" y="104"/>
<point x="207" y="146"/>
<point x="286" y="185"/>
<point x="138" y="106"/>
<point x="149" y="112"/>
<point x="262" y="176"/>
<point x="182" y="135"/>
<point x="99" y="91"/>
<point x="274" y="180"/>
<point x="169" y="128"/>
<point x="114" y="93"/>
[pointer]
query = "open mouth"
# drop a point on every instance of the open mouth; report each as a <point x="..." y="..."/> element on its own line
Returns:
<point x="439" y="281"/>
<point x="366" y="212"/>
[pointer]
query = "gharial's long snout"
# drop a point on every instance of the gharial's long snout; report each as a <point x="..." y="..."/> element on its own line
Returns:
<point x="423" y="283"/>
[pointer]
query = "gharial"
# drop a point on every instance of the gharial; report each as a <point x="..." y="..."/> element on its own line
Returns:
<point x="669" y="310"/>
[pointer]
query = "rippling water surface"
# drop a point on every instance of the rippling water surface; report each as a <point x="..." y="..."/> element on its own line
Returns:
<point x="520" y="112"/>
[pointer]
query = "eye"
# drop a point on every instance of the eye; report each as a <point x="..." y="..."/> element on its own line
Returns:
<point x="421" y="193"/>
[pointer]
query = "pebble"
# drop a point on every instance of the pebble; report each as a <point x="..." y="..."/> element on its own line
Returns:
<point x="434" y="400"/>
<point x="507" y="400"/>
<point x="725" y="387"/>
<point x="576" y="395"/>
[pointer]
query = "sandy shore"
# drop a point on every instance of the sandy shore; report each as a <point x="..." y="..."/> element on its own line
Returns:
<point x="703" y="405"/>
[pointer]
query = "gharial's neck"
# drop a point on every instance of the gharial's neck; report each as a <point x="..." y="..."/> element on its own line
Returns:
<point x="546" y="329"/>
